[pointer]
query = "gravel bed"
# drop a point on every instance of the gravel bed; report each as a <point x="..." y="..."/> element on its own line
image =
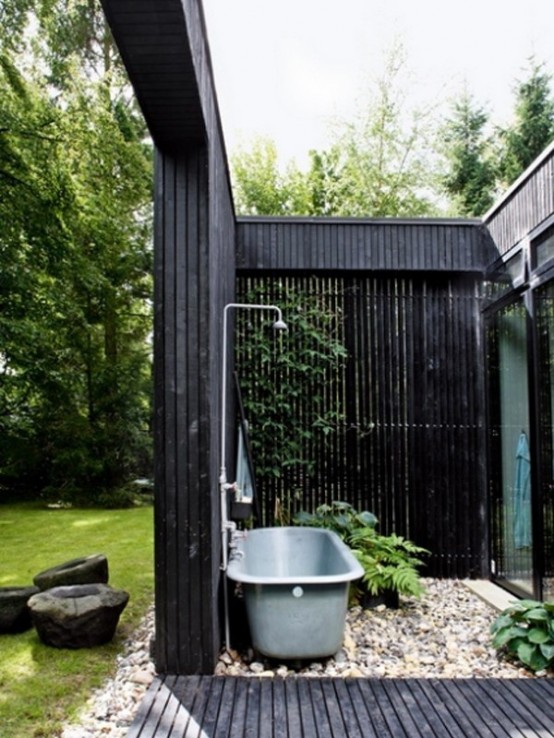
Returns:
<point x="110" y="710"/>
<point x="443" y="634"/>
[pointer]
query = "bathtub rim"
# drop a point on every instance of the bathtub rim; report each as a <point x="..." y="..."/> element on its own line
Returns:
<point x="235" y="568"/>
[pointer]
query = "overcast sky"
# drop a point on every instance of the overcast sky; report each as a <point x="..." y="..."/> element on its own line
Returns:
<point x="284" y="69"/>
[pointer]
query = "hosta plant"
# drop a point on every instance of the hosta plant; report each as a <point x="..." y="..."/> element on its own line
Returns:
<point x="525" y="632"/>
<point x="339" y="517"/>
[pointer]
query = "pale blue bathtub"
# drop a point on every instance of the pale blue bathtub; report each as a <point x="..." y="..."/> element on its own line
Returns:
<point x="295" y="583"/>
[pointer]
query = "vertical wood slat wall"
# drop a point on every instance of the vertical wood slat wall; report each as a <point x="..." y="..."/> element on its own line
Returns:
<point x="194" y="279"/>
<point x="412" y="445"/>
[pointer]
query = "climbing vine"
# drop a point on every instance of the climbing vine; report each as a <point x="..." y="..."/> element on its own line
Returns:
<point x="291" y="382"/>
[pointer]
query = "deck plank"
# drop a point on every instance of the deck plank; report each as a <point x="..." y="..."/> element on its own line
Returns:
<point x="294" y="709"/>
<point x="319" y="706"/>
<point x="280" y="728"/>
<point x="266" y="708"/>
<point x="214" y="695"/>
<point x="297" y="707"/>
<point x="514" y="711"/>
<point x="307" y="711"/>
<point x="240" y="707"/>
<point x="469" y="719"/>
<point x="409" y="709"/>
<point x="374" y="693"/>
<point x="253" y="714"/>
<point x="226" y="707"/>
<point x="186" y="722"/>
<point x="443" y="720"/>
<point x="368" y="713"/>
<point x="336" y="708"/>
<point x="534" y="701"/>
<point x="141" y="717"/>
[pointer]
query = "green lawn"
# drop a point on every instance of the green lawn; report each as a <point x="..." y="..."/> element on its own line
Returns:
<point x="42" y="687"/>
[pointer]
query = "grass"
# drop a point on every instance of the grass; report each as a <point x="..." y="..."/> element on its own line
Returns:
<point x="42" y="687"/>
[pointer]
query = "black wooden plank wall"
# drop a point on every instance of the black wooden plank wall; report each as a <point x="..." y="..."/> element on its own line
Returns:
<point x="325" y="244"/>
<point x="163" y="44"/>
<point x="411" y="447"/>
<point x="182" y="555"/>
<point x="525" y="206"/>
<point x="194" y="278"/>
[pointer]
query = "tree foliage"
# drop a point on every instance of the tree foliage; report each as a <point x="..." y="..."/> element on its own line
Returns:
<point x="394" y="160"/>
<point x="75" y="233"/>
<point x="533" y="126"/>
<point x="383" y="161"/>
<point x="379" y="164"/>
<point x="261" y="188"/>
<point x="470" y="177"/>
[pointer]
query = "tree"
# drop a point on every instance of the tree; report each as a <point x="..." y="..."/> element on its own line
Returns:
<point x="380" y="164"/>
<point x="260" y="188"/>
<point x="470" y="177"/>
<point x="384" y="159"/>
<point x="102" y="436"/>
<point x="75" y="235"/>
<point x="533" y="126"/>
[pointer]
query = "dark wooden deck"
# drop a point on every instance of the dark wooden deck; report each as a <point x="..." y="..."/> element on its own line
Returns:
<point x="239" y="707"/>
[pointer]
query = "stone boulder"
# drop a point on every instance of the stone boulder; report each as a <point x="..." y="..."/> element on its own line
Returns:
<point x="78" y="616"/>
<point x="14" y="612"/>
<point x="92" y="569"/>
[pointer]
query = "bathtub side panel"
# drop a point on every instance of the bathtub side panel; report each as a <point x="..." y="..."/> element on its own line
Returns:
<point x="297" y="621"/>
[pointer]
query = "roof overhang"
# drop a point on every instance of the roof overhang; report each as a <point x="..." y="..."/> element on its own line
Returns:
<point x="154" y="44"/>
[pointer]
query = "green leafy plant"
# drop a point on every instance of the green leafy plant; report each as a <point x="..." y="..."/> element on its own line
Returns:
<point x="339" y="517"/>
<point x="287" y="380"/>
<point x="390" y="563"/>
<point x="525" y="632"/>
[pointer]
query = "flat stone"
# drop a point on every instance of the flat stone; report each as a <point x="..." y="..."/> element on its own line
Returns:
<point x="81" y="616"/>
<point x="91" y="569"/>
<point x="144" y="676"/>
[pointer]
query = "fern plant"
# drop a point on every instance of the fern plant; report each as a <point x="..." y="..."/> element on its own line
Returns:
<point x="390" y="562"/>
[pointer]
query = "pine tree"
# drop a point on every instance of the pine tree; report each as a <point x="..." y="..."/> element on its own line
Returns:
<point x="470" y="178"/>
<point x="533" y="126"/>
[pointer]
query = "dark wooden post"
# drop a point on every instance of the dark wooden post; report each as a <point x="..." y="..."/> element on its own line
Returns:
<point x="186" y="539"/>
<point x="163" y="45"/>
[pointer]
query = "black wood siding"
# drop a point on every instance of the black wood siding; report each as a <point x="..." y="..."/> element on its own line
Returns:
<point x="191" y="246"/>
<point x="330" y="244"/>
<point x="163" y="45"/>
<point x="526" y="205"/>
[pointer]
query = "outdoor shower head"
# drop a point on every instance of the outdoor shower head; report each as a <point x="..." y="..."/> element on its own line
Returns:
<point x="280" y="325"/>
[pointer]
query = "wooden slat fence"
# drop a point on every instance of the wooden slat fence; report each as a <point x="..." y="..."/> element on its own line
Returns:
<point x="410" y="442"/>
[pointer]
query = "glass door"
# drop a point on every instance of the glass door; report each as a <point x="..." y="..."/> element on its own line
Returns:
<point x="510" y="453"/>
<point x="544" y="316"/>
